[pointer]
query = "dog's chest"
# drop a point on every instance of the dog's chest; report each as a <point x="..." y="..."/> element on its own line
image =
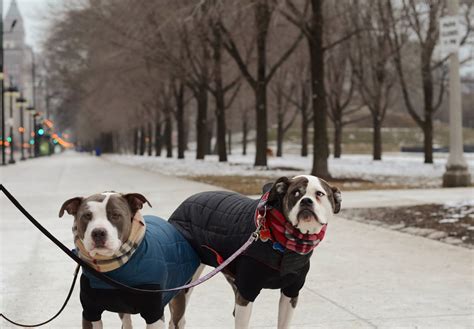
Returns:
<point x="286" y="262"/>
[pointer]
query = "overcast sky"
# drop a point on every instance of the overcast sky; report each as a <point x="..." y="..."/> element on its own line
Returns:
<point x="35" y="13"/>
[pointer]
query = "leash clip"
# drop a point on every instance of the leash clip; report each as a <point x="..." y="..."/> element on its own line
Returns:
<point x="263" y="231"/>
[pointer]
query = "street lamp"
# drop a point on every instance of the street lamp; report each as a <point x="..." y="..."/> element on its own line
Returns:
<point x="35" y="138"/>
<point x="21" y="102"/>
<point x="2" y="81"/>
<point x="12" y="91"/>
<point x="31" y="140"/>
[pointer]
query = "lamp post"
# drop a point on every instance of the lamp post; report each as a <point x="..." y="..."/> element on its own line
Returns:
<point x="35" y="138"/>
<point x="31" y="111"/>
<point x="21" y="102"/>
<point x="12" y="91"/>
<point x="457" y="170"/>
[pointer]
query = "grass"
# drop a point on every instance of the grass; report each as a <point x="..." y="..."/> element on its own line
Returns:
<point x="252" y="185"/>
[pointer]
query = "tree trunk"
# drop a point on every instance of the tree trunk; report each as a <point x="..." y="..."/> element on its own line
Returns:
<point x="210" y="135"/>
<point x="201" y="123"/>
<point x="337" y="139"/>
<point x="150" y="140"/>
<point x="320" y="137"/>
<point x="229" y="139"/>
<point x="262" y="17"/>
<point x="244" y="135"/>
<point x="428" y="138"/>
<point x="142" y="140"/>
<point x="219" y="95"/>
<point x="158" y="139"/>
<point x="427" y="81"/>
<point x="377" y="138"/>
<point x="280" y="135"/>
<point x="304" y="125"/>
<point x="186" y="133"/>
<point x="180" y="120"/>
<point x="169" y="136"/>
<point x="135" y="141"/>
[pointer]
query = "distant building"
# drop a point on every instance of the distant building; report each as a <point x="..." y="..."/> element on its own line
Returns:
<point x="17" y="66"/>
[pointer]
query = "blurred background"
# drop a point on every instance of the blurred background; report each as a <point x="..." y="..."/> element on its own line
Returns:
<point x="299" y="82"/>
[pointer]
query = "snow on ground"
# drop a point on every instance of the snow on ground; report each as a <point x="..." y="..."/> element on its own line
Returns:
<point x="393" y="169"/>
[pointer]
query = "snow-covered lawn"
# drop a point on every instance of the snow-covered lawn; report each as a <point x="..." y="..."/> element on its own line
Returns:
<point x="396" y="168"/>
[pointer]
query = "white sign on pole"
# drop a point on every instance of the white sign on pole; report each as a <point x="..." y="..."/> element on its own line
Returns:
<point x="449" y="34"/>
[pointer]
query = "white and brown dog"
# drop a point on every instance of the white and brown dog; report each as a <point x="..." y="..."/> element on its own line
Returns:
<point x="294" y="214"/>
<point x="143" y="252"/>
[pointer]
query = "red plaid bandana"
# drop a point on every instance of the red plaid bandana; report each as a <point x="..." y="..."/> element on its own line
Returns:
<point x="276" y="228"/>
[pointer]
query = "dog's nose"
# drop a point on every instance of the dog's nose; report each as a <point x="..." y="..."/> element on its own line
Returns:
<point x="99" y="235"/>
<point x="306" y="202"/>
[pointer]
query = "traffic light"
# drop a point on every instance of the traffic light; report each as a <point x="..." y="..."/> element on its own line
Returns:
<point x="9" y="139"/>
<point x="41" y="131"/>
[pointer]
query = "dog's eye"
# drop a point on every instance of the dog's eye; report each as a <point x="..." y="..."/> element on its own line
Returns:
<point x="320" y="194"/>
<point x="87" y="216"/>
<point x="296" y="193"/>
<point x="114" y="216"/>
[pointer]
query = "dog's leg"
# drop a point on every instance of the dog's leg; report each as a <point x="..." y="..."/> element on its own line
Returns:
<point x="180" y="301"/>
<point x="243" y="311"/>
<point x="86" y="324"/>
<point x="126" y="320"/>
<point x="97" y="324"/>
<point x="286" y="309"/>
<point x="160" y="324"/>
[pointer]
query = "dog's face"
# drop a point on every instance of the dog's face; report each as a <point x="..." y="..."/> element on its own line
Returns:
<point x="307" y="202"/>
<point x="104" y="220"/>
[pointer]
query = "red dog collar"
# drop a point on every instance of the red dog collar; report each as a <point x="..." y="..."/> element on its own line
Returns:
<point x="275" y="227"/>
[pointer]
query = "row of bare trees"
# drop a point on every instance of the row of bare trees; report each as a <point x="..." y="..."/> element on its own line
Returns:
<point x="132" y="74"/>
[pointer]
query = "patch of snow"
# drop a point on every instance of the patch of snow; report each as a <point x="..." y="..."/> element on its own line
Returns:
<point x="437" y="235"/>
<point x="449" y="220"/>
<point x="397" y="168"/>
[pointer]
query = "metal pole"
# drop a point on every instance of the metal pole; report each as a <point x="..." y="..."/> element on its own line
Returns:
<point x="35" y="138"/>
<point x="457" y="173"/>
<point x="32" y="131"/>
<point x="12" y="158"/>
<point x="33" y="76"/>
<point x="22" y="133"/>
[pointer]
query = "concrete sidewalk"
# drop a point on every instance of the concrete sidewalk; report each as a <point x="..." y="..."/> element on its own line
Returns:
<point x="362" y="276"/>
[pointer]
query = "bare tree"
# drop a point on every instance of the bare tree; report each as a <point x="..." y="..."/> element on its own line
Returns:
<point x="415" y="23"/>
<point x="371" y="64"/>
<point x="310" y="19"/>
<point x="283" y="89"/>
<point x="263" y="11"/>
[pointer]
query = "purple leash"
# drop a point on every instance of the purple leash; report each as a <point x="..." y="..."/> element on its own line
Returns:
<point x="253" y="237"/>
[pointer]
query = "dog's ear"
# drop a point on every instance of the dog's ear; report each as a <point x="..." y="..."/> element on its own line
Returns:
<point x="336" y="196"/>
<point x="135" y="201"/>
<point x="278" y="189"/>
<point x="71" y="206"/>
<point x="267" y="187"/>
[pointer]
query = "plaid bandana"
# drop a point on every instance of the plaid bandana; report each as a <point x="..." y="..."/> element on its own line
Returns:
<point x="121" y="256"/>
<point x="275" y="227"/>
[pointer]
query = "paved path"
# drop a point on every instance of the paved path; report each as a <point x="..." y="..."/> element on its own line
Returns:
<point x="362" y="276"/>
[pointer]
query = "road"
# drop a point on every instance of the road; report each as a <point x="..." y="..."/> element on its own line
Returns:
<point x="362" y="276"/>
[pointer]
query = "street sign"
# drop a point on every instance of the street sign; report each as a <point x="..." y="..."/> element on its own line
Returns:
<point x="450" y="34"/>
